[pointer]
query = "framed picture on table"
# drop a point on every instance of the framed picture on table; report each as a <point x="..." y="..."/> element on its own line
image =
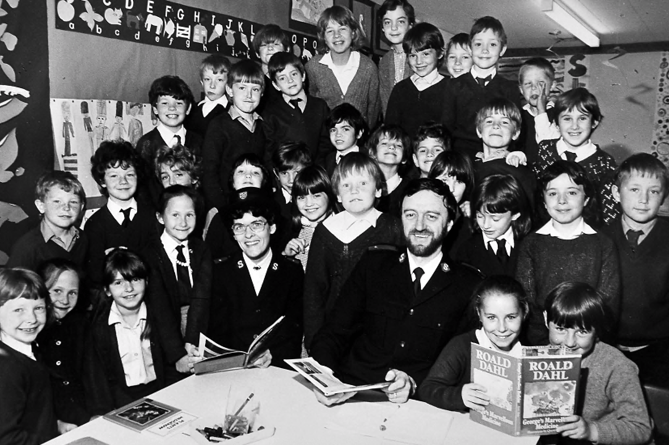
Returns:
<point x="304" y="14"/>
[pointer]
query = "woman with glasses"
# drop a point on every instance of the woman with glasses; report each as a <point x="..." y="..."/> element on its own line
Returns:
<point x="255" y="286"/>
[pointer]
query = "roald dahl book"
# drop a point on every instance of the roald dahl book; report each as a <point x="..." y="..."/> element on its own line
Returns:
<point x="530" y="394"/>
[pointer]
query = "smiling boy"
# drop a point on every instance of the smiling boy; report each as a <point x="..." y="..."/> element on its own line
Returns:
<point x="60" y="199"/>
<point x="297" y="116"/>
<point x="467" y="94"/>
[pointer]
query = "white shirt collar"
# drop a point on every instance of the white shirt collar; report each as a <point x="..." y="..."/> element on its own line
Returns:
<point x="507" y="236"/>
<point x="583" y="152"/>
<point x="580" y="229"/>
<point x="18" y="346"/>
<point x="527" y="107"/>
<point x="209" y="105"/>
<point x="170" y="244"/>
<point x="393" y="182"/>
<point x="115" y="316"/>
<point x="353" y="61"/>
<point x="286" y="196"/>
<point x="484" y="341"/>
<point x="347" y="227"/>
<point x="423" y="83"/>
<point x="474" y="73"/>
<point x="168" y="135"/>
<point x="341" y="154"/>
<point x="263" y="264"/>
<point x="428" y="268"/>
<point x="115" y="209"/>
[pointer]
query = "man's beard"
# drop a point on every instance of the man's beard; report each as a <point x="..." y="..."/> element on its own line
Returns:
<point x="424" y="250"/>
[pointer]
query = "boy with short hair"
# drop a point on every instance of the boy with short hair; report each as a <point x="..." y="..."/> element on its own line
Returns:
<point x="60" y="199"/>
<point x="213" y="78"/>
<point x="536" y="78"/>
<point x="268" y="41"/>
<point x="498" y="125"/>
<point x="297" y="116"/>
<point x="397" y="17"/>
<point x="171" y="100"/>
<point x="123" y="221"/>
<point x="431" y="139"/>
<point x="256" y="285"/>
<point x="236" y="132"/>
<point x="466" y="94"/>
<point x="458" y="55"/>
<point x="347" y="129"/>
<point x="641" y="236"/>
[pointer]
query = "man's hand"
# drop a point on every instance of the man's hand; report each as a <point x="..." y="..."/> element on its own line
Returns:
<point x="334" y="399"/>
<point x="401" y="388"/>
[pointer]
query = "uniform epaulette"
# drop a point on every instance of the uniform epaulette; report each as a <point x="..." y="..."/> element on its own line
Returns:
<point x="383" y="248"/>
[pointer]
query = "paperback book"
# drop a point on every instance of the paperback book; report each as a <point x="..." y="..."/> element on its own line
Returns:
<point x="323" y="379"/>
<point x="219" y="358"/>
<point x="530" y="394"/>
<point x="141" y="414"/>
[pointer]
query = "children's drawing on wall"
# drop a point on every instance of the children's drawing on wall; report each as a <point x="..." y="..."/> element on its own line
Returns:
<point x="76" y="138"/>
<point x="308" y="11"/>
<point x="660" y="147"/>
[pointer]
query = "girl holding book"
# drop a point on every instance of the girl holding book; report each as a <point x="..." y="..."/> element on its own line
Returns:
<point x="501" y="306"/>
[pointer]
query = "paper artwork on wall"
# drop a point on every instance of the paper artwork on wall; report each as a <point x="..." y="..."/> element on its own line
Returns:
<point x="660" y="144"/>
<point x="79" y="126"/>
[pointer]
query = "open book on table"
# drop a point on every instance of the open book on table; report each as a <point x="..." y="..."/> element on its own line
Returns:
<point x="323" y="379"/>
<point x="219" y="358"/>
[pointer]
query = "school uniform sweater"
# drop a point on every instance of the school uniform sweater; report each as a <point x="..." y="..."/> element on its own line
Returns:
<point x="26" y="410"/>
<point x="197" y="122"/>
<point x="644" y="314"/>
<point x="529" y="137"/>
<point x="410" y="108"/>
<point x="500" y="167"/>
<point x="611" y="397"/>
<point x="463" y="98"/>
<point x="545" y="261"/>
<point x="225" y="141"/>
<point x="105" y="232"/>
<point x="285" y="123"/>
<point x="387" y="77"/>
<point x="474" y="252"/>
<point x="443" y="385"/>
<point x="600" y="168"/>
<point x="30" y="250"/>
<point x="330" y="264"/>
<point x="61" y="349"/>
<point x="362" y="93"/>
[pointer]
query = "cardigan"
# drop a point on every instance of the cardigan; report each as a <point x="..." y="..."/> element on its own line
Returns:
<point x="362" y="93"/>
<point x="644" y="313"/>
<point x="30" y="250"/>
<point x="612" y="399"/>
<point x="238" y="314"/>
<point x="225" y="141"/>
<point x="164" y="299"/>
<point x="451" y="371"/>
<point x="410" y="108"/>
<point x="600" y="168"/>
<point x="26" y="410"/>
<point x="105" y="232"/>
<point x="379" y="324"/>
<point x="283" y="123"/>
<point x="387" y="77"/>
<point x="331" y="262"/>
<point x="545" y="261"/>
<point x="463" y="98"/>
<point x="61" y="348"/>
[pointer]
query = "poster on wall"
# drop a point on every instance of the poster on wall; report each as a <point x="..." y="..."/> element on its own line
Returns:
<point x="25" y="133"/>
<point x="660" y="144"/>
<point x="80" y="126"/>
<point x="168" y="24"/>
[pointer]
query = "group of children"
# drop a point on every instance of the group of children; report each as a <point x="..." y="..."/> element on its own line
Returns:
<point x="259" y="201"/>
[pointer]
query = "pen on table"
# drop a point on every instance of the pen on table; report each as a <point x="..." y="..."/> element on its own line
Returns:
<point x="239" y="411"/>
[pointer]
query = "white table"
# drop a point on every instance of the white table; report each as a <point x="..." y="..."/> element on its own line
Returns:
<point x="286" y="401"/>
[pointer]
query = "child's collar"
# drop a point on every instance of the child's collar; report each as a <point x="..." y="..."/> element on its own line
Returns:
<point x="475" y="72"/>
<point x="17" y="345"/>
